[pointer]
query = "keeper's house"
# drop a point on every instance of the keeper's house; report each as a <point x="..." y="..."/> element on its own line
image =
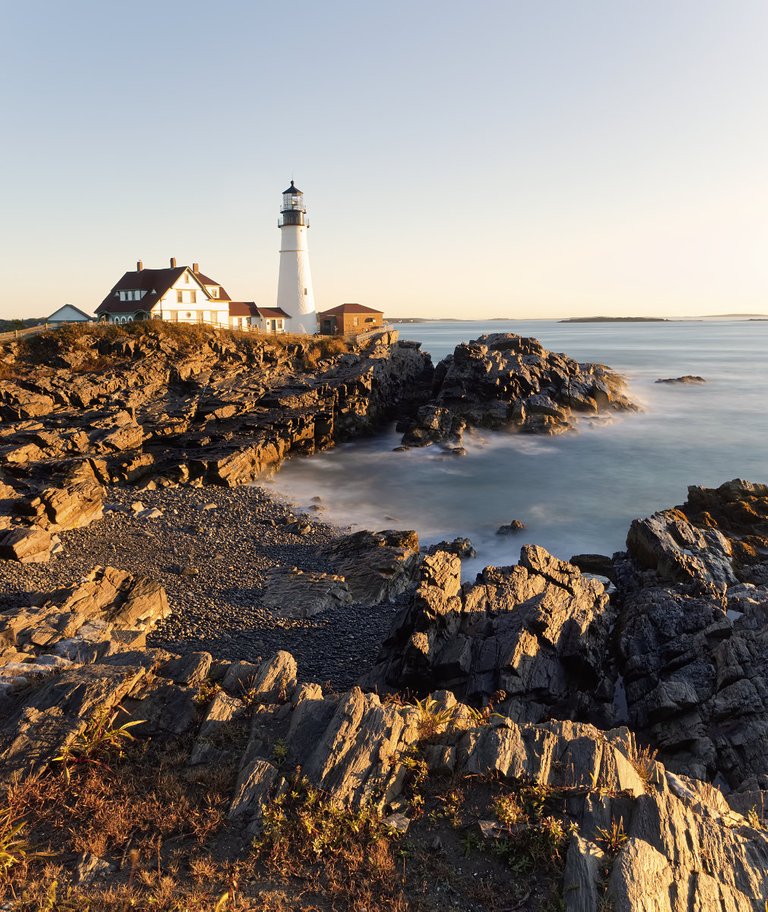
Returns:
<point x="179" y="294"/>
<point x="349" y="320"/>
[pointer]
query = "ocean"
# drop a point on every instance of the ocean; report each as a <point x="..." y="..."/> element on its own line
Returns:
<point x="576" y="493"/>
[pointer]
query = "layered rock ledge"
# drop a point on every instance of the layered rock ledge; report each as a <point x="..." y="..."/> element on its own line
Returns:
<point x="618" y="829"/>
<point x="190" y="405"/>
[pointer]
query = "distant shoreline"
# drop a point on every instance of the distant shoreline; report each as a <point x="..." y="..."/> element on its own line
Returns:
<point x="617" y="320"/>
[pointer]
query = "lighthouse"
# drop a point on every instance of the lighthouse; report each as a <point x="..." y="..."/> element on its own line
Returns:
<point x="294" y="286"/>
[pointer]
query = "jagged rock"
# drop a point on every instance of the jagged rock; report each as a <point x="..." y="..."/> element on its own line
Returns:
<point x="502" y="380"/>
<point x="239" y="678"/>
<point x="294" y="593"/>
<point x="583" y="877"/>
<point x="688" y="378"/>
<point x="679" y="845"/>
<point x="163" y="708"/>
<point x="353" y="760"/>
<point x="17" y="402"/>
<point x="534" y="631"/>
<point x="257" y="783"/>
<point x="213" y="742"/>
<point x="275" y="680"/>
<point x="694" y="616"/>
<point x="461" y="547"/>
<point x="46" y="720"/>
<point x="377" y="566"/>
<point x="69" y="508"/>
<point x="109" y="611"/>
<point x="219" y="414"/>
<point x="510" y="528"/>
<point x="599" y="564"/>
<point x="29" y="545"/>
<point x="90" y="867"/>
<point x="190" y="669"/>
<point x="680" y="552"/>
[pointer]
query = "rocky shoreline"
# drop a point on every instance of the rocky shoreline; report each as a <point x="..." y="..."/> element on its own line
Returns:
<point x="511" y="680"/>
<point x="212" y="550"/>
<point x="209" y="702"/>
<point x="504" y="381"/>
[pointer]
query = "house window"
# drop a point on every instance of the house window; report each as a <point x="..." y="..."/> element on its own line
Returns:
<point x="355" y="321"/>
<point x="179" y="297"/>
<point x="193" y="297"/>
<point x="214" y="292"/>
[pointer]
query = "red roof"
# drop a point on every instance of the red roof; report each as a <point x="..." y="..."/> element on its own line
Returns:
<point x="349" y="309"/>
<point x="272" y="312"/>
<point x="249" y="309"/>
<point x="223" y="296"/>
<point x="155" y="282"/>
<point x="242" y="309"/>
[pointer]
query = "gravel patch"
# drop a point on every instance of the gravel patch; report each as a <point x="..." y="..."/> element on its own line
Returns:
<point x="211" y="548"/>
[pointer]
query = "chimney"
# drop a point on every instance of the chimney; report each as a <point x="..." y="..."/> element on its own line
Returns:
<point x="195" y="268"/>
<point x="139" y="265"/>
<point x="173" y="262"/>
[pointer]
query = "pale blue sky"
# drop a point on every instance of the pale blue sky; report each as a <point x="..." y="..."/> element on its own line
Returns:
<point x="458" y="159"/>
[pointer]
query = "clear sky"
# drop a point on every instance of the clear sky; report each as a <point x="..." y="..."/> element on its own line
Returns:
<point x="481" y="159"/>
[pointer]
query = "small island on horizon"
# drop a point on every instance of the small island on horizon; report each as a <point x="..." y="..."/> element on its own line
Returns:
<point x="616" y="320"/>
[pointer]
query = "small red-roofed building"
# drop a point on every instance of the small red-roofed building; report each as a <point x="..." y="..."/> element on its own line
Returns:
<point x="271" y="319"/>
<point x="349" y="320"/>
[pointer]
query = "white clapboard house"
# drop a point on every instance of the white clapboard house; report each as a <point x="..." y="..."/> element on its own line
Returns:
<point x="68" y="314"/>
<point x="181" y="294"/>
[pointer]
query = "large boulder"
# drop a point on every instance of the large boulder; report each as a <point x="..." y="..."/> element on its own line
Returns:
<point x="531" y="637"/>
<point x="294" y="593"/>
<point x="377" y="566"/>
<point x="69" y="507"/>
<point x="504" y="380"/>
<point x="28" y="545"/>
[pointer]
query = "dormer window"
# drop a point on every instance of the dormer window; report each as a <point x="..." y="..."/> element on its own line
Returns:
<point x="214" y="291"/>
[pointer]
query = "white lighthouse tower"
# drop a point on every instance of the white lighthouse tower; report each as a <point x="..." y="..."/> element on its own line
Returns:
<point x="294" y="286"/>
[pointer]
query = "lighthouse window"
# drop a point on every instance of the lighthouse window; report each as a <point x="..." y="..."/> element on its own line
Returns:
<point x="305" y="291"/>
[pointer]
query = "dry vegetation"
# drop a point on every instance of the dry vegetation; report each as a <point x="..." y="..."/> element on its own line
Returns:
<point x="96" y="347"/>
<point x="162" y="828"/>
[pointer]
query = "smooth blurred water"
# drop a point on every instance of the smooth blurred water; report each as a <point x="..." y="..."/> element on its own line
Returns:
<point x="577" y="492"/>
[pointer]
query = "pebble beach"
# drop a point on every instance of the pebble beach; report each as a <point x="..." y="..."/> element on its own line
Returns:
<point x="211" y="549"/>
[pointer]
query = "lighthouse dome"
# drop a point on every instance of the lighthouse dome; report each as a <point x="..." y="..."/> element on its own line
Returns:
<point x="292" y="189"/>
